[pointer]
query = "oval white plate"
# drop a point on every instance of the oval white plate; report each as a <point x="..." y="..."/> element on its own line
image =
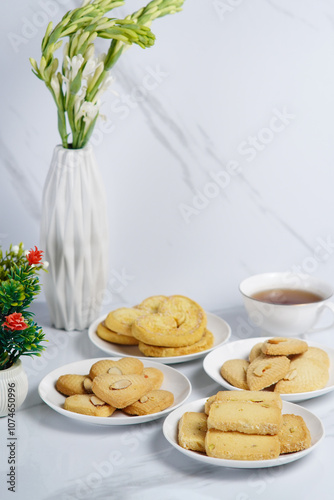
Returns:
<point x="240" y="349"/>
<point x="220" y="329"/>
<point x="314" y="424"/>
<point x="174" y="381"/>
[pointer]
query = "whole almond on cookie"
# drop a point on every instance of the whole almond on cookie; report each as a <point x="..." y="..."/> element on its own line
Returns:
<point x="266" y="370"/>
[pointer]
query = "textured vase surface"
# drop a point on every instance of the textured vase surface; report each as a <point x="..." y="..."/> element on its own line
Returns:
<point x="74" y="237"/>
<point x="13" y="387"/>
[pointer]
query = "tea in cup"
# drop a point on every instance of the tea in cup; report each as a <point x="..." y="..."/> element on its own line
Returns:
<point x="284" y="303"/>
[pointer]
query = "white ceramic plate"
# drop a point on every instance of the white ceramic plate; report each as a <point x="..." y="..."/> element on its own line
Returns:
<point x="174" y="381"/>
<point x="220" y="329"/>
<point x="241" y="349"/>
<point x="313" y="423"/>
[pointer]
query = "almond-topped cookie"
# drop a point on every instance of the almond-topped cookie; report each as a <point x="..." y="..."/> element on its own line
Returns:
<point x="304" y="375"/>
<point x="123" y="366"/>
<point x="71" y="384"/>
<point x="152" y="402"/>
<point x="88" y="404"/>
<point x="281" y="346"/>
<point x="120" y="390"/>
<point x="266" y="370"/>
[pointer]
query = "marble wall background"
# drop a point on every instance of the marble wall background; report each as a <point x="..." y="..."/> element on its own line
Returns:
<point x="217" y="153"/>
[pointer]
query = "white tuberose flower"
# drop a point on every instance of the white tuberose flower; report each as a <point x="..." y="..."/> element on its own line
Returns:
<point x="88" y="110"/>
<point x="73" y="66"/>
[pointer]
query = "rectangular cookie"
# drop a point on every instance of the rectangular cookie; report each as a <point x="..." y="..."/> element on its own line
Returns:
<point x="245" y="416"/>
<point x="238" y="446"/>
<point x="294" y="434"/>
<point x="250" y="396"/>
<point x="192" y="430"/>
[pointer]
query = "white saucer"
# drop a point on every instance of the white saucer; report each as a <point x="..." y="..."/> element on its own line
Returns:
<point x="220" y="329"/>
<point x="241" y="349"/>
<point x="314" y="424"/>
<point x="174" y="381"/>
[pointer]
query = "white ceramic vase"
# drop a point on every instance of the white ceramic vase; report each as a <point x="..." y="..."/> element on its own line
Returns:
<point x="13" y="388"/>
<point x="74" y="237"/>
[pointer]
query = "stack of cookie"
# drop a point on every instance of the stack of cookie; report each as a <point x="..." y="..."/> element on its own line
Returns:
<point x="124" y="384"/>
<point x="284" y="365"/>
<point x="161" y="326"/>
<point x="243" y="425"/>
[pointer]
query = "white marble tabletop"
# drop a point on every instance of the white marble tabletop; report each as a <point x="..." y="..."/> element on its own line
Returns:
<point x="63" y="459"/>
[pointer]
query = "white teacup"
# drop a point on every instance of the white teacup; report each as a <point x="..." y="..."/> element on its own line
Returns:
<point x="280" y="319"/>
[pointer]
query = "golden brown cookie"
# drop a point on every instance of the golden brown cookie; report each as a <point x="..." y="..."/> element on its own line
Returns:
<point x="116" y="338"/>
<point x="120" y="320"/>
<point x="88" y="405"/>
<point x="74" y="384"/>
<point x="250" y="397"/>
<point x="179" y="322"/>
<point x="238" y="446"/>
<point x="152" y="402"/>
<point x="152" y="304"/>
<point x="265" y="371"/>
<point x="245" y="416"/>
<point x="281" y="346"/>
<point x="123" y="366"/>
<point x="314" y="353"/>
<point x="203" y="344"/>
<point x="255" y="351"/>
<point x="120" y="390"/>
<point x="208" y="403"/>
<point x="293" y="434"/>
<point x="154" y="377"/>
<point x="234" y="371"/>
<point x="304" y="375"/>
<point x="192" y="429"/>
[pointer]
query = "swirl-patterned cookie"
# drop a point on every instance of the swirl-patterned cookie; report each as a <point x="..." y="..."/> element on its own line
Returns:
<point x="121" y="320"/>
<point x="116" y="338"/>
<point x="205" y="342"/>
<point x="180" y="322"/>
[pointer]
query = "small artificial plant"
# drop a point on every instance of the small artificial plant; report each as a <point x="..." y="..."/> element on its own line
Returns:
<point x="78" y="86"/>
<point x="19" y="284"/>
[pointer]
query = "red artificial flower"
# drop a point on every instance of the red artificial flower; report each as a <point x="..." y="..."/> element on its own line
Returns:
<point x="34" y="256"/>
<point x="15" y="321"/>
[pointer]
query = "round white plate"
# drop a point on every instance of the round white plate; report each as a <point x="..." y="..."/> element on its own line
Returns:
<point x="314" y="424"/>
<point x="174" y="381"/>
<point x="220" y="329"/>
<point x="241" y="349"/>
